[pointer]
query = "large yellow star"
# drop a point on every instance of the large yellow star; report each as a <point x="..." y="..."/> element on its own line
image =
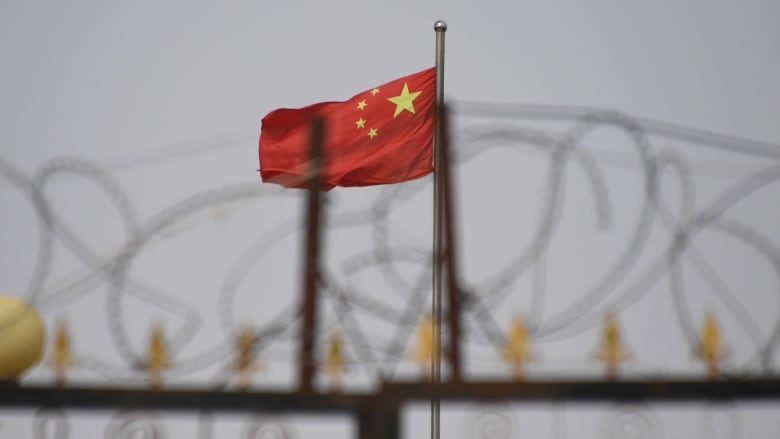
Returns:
<point x="404" y="101"/>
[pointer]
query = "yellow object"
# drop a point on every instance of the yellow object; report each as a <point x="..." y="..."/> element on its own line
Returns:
<point x="711" y="349"/>
<point x="22" y="336"/>
<point x="425" y="350"/>
<point x="334" y="362"/>
<point x="612" y="352"/>
<point x="157" y="358"/>
<point x="517" y="350"/>
<point x="61" y="358"/>
<point x="245" y="362"/>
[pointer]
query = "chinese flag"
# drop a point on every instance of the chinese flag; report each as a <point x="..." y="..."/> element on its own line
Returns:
<point x="382" y="135"/>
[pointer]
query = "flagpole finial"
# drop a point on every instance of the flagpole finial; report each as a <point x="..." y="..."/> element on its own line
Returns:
<point x="440" y="26"/>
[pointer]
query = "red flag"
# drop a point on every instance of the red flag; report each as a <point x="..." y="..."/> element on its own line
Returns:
<point x="382" y="135"/>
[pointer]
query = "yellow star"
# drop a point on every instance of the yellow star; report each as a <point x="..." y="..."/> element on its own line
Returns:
<point x="404" y="101"/>
<point x="362" y="104"/>
<point x="360" y="123"/>
<point x="374" y="91"/>
<point x="372" y="133"/>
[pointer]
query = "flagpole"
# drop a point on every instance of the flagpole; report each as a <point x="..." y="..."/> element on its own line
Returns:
<point x="440" y="27"/>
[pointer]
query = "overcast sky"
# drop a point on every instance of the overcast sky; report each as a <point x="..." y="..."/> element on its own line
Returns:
<point x="168" y="97"/>
<point x="100" y="80"/>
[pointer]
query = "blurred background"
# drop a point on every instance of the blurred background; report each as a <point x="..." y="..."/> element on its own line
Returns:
<point x="610" y="159"/>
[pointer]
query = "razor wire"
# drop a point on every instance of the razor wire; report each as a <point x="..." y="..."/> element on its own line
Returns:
<point x="380" y="355"/>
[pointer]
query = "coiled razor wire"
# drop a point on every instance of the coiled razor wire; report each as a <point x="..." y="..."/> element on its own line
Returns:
<point x="379" y="356"/>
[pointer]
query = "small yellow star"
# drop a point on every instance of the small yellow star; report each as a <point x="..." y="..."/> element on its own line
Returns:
<point x="404" y="101"/>
<point x="360" y="123"/>
<point x="372" y="133"/>
<point x="362" y="104"/>
<point x="374" y="91"/>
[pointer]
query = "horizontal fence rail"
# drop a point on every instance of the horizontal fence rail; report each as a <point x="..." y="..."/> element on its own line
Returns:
<point x="378" y="414"/>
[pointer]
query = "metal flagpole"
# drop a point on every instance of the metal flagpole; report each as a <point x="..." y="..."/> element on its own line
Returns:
<point x="440" y="27"/>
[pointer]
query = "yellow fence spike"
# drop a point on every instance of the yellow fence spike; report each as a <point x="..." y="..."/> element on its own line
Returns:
<point x="61" y="356"/>
<point x="612" y="352"/>
<point x="424" y="351"/>
<point x="517" y="349"/>
<point x="246" y="364"/>
<point x="335" y="362"/>
<point x="711" y="349"/>
<point x="157" y="357"/>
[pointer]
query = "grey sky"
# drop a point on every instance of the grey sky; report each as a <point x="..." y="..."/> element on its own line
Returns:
<point x="125" y="84"/>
